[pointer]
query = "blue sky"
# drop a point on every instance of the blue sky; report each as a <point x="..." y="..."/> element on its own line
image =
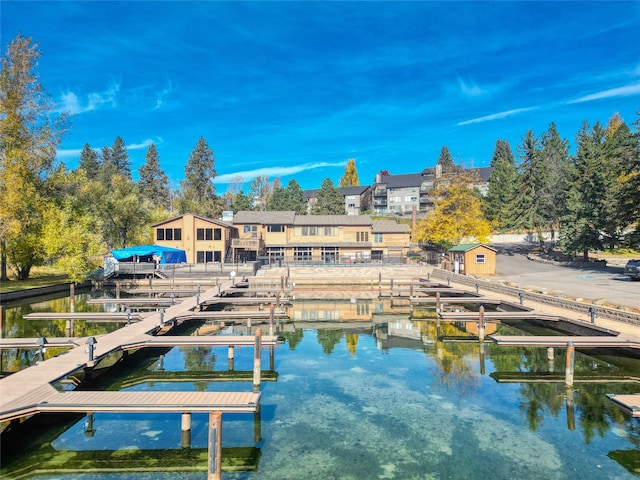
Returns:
<point x="295" y="89"/>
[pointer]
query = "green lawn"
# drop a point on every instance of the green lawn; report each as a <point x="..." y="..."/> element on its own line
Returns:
<point x="40" y="277"/>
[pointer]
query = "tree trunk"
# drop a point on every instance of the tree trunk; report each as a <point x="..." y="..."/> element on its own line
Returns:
<point x="3" y="262"/>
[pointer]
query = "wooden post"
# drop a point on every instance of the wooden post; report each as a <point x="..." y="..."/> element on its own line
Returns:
<point x="482" y="368"/>
<point x="257" y="354"/>
<point x="550" y="357"/>
<point x="257" y="425"/>
<point x="230" y="356"/>
<point x="186" y="430"/>
<point x="569" y="366"/>
<point x="72" y="297"/>
<point x="271" y="315"/>
<point x="117" y="289"/>
<point x="272" y="363"/>
<point x="481" y="323"/>
<point x="571" y="412"/>
<point x="391" y="289"/>
<point x="437" y="302"/>
<point x="215" y="446"/>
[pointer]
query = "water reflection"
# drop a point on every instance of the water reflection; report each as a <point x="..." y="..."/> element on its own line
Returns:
<point x="391" y="397"/>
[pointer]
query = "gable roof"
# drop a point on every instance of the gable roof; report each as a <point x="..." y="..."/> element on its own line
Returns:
<point x="210" y="220"/>
<point x="465" y="247"/>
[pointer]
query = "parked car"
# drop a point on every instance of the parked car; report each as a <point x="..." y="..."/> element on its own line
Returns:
<point x="632" y="269"/>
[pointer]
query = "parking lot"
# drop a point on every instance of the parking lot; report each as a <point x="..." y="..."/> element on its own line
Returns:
<point x="593" y="282"/>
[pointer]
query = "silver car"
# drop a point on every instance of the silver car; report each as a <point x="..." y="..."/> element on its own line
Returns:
<point x="632" y="269"/>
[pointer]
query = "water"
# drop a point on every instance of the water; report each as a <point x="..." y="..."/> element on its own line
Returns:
<point x="389" y="401"/>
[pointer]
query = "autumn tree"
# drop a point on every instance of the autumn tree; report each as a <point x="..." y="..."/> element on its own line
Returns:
<point x="198" y="193"/>
<point x="260" y="192"/>
<point x="153" y="182"/>
<point x="457" y="214"/>
<point x="30" y="132"/>
<point x="329" y="200"/>
<point x="350" y="177"/>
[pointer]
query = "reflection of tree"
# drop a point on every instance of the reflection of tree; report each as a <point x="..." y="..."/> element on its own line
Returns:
<point x="596" y="412"/>
<point x="199" y="359"/>
<point x="352" y="342"/>
<point x="293" y="338"/>
<point x="454" y="372"/>
<point x="329" y="339"/>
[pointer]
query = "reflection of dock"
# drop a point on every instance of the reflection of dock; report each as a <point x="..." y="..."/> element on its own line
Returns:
<point x="563" y="340"/>
<point x="551" y="377"/>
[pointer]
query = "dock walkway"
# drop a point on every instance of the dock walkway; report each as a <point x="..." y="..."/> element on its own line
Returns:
<point x="30" y="390"/>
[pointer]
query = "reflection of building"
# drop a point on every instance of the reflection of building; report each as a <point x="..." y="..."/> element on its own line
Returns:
<point x="285" y="236"/>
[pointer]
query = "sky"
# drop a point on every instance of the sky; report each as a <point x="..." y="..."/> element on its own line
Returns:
<point x="295" y="89"/>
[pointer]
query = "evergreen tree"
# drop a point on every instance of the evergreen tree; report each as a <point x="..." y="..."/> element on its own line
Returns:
<point x="290" y="198"/>
<point x="555" y="154"/>
<point x="242" y="202"/>
<point x="89" y="161"/>
<point x="502" y="151"/>
<point x="198" y="193"/>
<point x="29" y="135"/>
<point x="534" y="175"/>
<point x="630" y="199"/>
<point x="445" y="160"/>
<point x="350" y="177"/>
<point x="329" y="200"/>
<point x="580" y="229"/>
<point x="120" y="157"/>
<point x="501" y="194"/>
<point x="152" y="182"/>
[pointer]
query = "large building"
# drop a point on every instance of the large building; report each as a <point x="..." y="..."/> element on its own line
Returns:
<point x="286" y="237"/>
<point x="402" y="195"/>
<point x="357" y="200"/>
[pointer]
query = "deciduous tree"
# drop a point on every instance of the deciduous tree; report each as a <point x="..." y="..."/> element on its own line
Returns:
<point x="30" y="132"/>
<point x="457" y="215"/>
<point x="350" y="177"/>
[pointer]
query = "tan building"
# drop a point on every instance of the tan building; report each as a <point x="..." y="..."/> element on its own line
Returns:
<point x="285" y="237"/>
<point x="203" y="239"/>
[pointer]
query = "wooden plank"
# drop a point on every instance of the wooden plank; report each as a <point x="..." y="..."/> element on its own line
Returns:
<point x="90" y="316"/>
<point x="629" y="403"/>
<point x="562" y="341"/>
<point x="52" y="342"/>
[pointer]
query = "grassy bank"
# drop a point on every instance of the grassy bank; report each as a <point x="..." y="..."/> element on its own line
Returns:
<point x="40" y="277"/>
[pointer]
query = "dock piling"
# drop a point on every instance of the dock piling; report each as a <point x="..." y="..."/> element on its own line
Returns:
<point x="569" y="364"/>
<point x="215" y="446"/>
<point x="256" y="359"/>
<point x="186" y="430"/>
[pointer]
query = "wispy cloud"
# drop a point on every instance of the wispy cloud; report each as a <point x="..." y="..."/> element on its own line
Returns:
<point x="497" y="116"/>
<point x="67" y="154"/>
<point x="626" y="91"/>
<point x="72" y="103"/>
<point x="162" y="95"/>
<point x="273" y="172"/>
<point x="471" y="89"/>
<point x="144" y="144"/>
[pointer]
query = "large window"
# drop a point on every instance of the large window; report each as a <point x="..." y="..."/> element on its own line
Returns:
<point x="302" y="254"/>
<point x="275" y="228"/>
<point x="362" y="236"/>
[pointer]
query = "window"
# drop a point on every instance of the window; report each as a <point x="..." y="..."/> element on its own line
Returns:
<point x="480" y="258"/>
<point x="377" y="238"/>
<point x="177" y="234"/>
<point x="160" y="234"/>
<point x="168" y="234"/>
<point x="312" y="230"/>
<point x="208" y="234"/>
<point x="302" y="254"/>
<point x="200" y="234"/>
<point x="247" y="228"/>
<point x="217" y="234"/>
<point x="275" y="228"/>
<point x="362" y="236"/>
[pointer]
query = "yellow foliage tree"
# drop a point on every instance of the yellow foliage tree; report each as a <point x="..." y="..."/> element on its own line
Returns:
<point x="457" y="214"/>
<point x="350" y="177"/>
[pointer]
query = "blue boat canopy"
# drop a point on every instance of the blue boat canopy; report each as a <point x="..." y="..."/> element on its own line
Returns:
<point x="147" y="252"/>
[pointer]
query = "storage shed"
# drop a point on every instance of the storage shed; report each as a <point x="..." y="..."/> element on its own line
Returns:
<point x="472" y="259"/>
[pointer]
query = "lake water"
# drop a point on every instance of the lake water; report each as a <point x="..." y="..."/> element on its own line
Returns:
<point x="390" y="400"/>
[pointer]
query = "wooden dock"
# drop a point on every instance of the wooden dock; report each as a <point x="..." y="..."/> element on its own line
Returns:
<point x="198" y="341"/>
<point x="51" y="342"/>
<point x="88" y="316"/>
<point x="628" y="403"/>
<point x="492" y="316"/>
<point x="563" y="340"/>
<point x="30" y="390"/>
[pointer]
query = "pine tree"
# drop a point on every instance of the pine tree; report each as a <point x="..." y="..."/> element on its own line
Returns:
<point x="528" y="205"/>
<point x="445" y="160"/>
<point x="290" y="198"/>
<point x="329" y="200"/>
<point x="501" y="193"/>
<point x="581" y="226"/>
<point x="502" y="151"/>
<point x="120" y="157"/>
<point x="152" y="182"/>
<point x="350" y="177"/>
<point x="555" y="154"/>
<point x="89" y="161"/>
<point x="198" y="193"/>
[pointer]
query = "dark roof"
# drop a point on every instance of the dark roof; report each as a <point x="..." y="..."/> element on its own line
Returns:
<point x="313" y="193"/>
<point x="404" y="180"/>
<point x="265" y="218"/>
